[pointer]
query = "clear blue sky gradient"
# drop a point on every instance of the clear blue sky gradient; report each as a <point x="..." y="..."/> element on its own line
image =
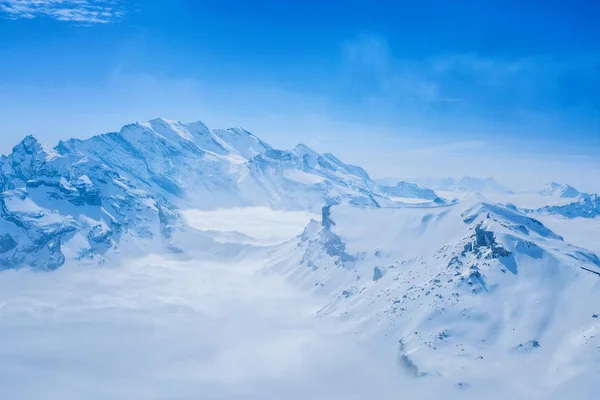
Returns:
<point x="517" y="77"/>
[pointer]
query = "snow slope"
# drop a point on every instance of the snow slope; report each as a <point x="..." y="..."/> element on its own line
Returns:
<point x="461" y="292"/>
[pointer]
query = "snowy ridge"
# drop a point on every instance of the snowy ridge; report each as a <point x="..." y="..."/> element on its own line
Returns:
<point x="465" y="184"/>
<point x="560" y="190"/>
<point x="586" y="206"/>
<point x="457" y="288"/>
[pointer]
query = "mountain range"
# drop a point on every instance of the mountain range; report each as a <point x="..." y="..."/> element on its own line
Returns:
<point x="82" y="198"/>
<point x="464" y="184"/>
<point x="464" y="289"/>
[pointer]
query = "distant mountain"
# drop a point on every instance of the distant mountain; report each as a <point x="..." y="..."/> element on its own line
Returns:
<point x="409" y="190"/>
<point x="464" y="184"/>
<point x="389" y="181"/>
<point x="559" y="190"/>
<point x="586" y="206"/>
<point x="435" y="183"/>
<point x="481" y="185"/>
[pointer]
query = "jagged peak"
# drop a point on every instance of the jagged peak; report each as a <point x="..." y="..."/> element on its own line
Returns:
<point x="486" y="179"/>
<point x="401" y="184"/>
<point x="478" y="207"/>
<point x="127" y="127"/>
<point x="471" y="179"/>
<point x="237" y="131"/>
<point x="476" y="197"/>
<point x="32" y="145"/>
<point x="240" y="130"/>
<point x="67" y="146"/>
<point x="198" y="125"/>
<point x="469" y="183"/>
<point x="562" y="189"/>
<point x="302" y="148"/>
<point x="164" y="121"/>
<point x="29" y="141"/>
<point x="356" y="170"/>
<point x="242" y="141"/>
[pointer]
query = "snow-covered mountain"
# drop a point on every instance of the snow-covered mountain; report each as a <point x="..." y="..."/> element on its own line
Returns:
<point x="456" y="289"/>
<point x="85" y="198"/>
<point x="565" y="201"/>
<point x="585" y="206"/>
<point x="57" y="204"/>
<point x="560" y="190"/>
<point x="481" y="185"/>
<point x="467" y="291"/>
<point x="190" y="164"/>
<point x="465" y="184"/>
<point x="404" y="189"/>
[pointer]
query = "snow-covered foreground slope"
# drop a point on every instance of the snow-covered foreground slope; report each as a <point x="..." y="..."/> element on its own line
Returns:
<point x="155" y="328"/>
<point x="214" y="329"/>
<point x="583" y="232"/>
<point x="464" y="293"/>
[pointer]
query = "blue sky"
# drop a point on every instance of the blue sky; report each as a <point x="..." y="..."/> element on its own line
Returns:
<point x="404" y="88"/>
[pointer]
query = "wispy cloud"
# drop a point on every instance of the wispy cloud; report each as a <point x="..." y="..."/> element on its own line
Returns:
<point x="470" y="82"/>
<point x="78" y="11"/>
<point x="461" y="147"/>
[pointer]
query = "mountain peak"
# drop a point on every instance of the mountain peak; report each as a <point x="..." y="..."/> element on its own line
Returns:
<point x="558" y="189"/>
<point x="471" y="184"/>
<point x="304" y="149"/>
<point x="197" y="126"/>
<point x="32" y="145"/>
<point x="164" y="121"/>
<point x="243" y="141"/>
<point x="29" y="141"/>
<point x="240" y="130"/>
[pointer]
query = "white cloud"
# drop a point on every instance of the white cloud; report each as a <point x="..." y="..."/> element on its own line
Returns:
<point x="80" y="11"/>
<point x="160" y="329"/>
<point x="477" y="84"/>
<point x="254" y="223"/>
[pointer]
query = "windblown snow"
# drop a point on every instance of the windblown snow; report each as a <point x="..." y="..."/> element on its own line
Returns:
<point x="169" y="260"/>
